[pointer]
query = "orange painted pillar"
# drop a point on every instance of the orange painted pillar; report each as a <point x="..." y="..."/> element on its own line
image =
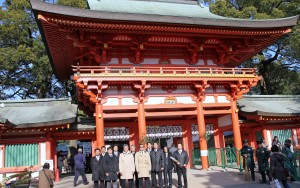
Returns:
<point x="48" y="149"/>
<point x="99" y="124"/>
<point x="142" y="132"/>
<point x="298" y="136"/>
<point x="134" y="137"/>
<point x="236" y="125"/>
<point x="252" y="139"/>
<point x="187" y="139"/>
<point x="202" y="135"/>
<point x="217" y="136"/>
<point x="94" y="146"/>
<point x="265" y="135"/>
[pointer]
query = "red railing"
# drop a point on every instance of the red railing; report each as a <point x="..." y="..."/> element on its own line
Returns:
<point x="162" y="70"/>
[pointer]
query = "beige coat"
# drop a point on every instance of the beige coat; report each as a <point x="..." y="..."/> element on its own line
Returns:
<point x="126" y="165"/>
<point x="143" y="164"/>
<point x="43" y="181"/>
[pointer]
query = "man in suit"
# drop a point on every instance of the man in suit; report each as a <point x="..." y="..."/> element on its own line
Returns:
<point x="111" y="168"/>
<point x="168" y="168"/>
<point x="95" y="166"/>
<point x="182" y="157"/>
<point x="157" y="165"/>
<point x="116" y="151"/>
<point x="149" y="147"/>
<point x="79" y="159"/>
<point x="102" y="173"/>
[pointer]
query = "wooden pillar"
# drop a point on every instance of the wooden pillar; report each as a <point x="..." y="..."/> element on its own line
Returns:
<point x="56" y="172"/>
<point x="94" y="146"/>
<point x="99" y="124"/>
<point x="236" y="125"/>
<point x="252" y="138"/>
<point x="142" y="132"/>
<point x="218" y="137"/>
<point x="49" y="150"/>
<point x="134" y="137"/>
<point x="202" y="135"/>
<point x="187" y="138"/>
<point x="298" y="136"/>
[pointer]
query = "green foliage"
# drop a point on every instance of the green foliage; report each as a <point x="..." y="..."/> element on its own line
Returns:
<point x="22" y="178"/>
<point x="73" y="3"/>
<point x="279" y="63"/>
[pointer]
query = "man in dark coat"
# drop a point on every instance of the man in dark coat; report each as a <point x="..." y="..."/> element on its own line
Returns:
<point x="79" y="159"/>
<point x="168" y="168"/>
<point x="157" y="165"/>
<point x="111" y="168"/>
<point x="182" y="160"/>
<point x="263" y="155"/>
<point x="247" y="154"/>
<point x="286" y="150"/>
<point x="95" y="166"/>
<point x="102" y="173"/>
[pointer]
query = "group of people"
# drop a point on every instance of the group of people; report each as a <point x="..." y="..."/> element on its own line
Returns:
<point x="275" y="164"/>
<point x="133" y="168"/>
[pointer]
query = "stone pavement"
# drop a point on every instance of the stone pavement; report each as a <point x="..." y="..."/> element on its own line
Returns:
<point x="214" y="178"/>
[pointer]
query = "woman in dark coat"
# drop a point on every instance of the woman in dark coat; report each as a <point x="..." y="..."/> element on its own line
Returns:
<point x="111" y="168"/>
<point x="277" y="166"/>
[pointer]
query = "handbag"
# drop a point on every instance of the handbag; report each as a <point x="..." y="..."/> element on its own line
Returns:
<point x="50" y="181"/>
<point x="275" y="184"/>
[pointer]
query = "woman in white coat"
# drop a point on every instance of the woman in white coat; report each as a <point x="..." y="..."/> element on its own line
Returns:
<point x="126" y="167"/>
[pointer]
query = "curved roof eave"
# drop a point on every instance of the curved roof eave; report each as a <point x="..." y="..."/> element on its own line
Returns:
<point x="103" y="15"/>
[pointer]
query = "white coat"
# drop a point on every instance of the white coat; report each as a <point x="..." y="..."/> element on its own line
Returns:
<point x="126" y="165"/>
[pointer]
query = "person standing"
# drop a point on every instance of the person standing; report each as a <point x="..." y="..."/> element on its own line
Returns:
<point x="183" y="159"/>
<point x="46" y="177"/>
<point x="286" y="150"/>
<point x="116" y="151"/>
<point x="172" y="150"/>
<point x="149" y="147"/>
<point x="136" y="179"/>
<point x="60" y="162"/>
<point x="95" y="167"/>
<point x="79" y="159"/>
<point x="126" y="167"/>
<point x="276" y="142"/>
<point x="277" y="170"/>
<point x="263" y="155"/>
<point x="102" y="176"/>
<point x="143" y="166"/>
<point x="111" y="169"/>
<point x="157" y="165"/>
<point x="247" y="153"/>
<point x="168" y="168"/>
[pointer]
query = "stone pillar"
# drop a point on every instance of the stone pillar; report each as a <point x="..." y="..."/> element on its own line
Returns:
<point x="187" y="139"/>
<point x="99" y="124"/>
<point x="236" y="125"/>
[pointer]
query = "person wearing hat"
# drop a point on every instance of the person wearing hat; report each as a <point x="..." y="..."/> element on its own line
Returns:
<point x="263" y="155"/>
<point x="247" y="154"/>
<point x="286" y="150"/>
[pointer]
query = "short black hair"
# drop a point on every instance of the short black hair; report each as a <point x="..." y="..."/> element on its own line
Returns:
<point x="97" y="149"/>
<point x="274" y="148"/>
<point x="103" y="147"/>
<point x="46" y="166"/>
<point x="109" y="148"/>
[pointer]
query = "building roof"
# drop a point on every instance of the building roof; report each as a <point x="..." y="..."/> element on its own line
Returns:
<point x="38" y="112"/>
<point x="270" y="105"/>
<point x="172" y="12"/>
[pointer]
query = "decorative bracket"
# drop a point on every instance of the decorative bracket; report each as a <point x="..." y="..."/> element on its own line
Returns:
<point x="200" y="87"/>
<point x="142" y="88"/>
<point x="100" y="88"/>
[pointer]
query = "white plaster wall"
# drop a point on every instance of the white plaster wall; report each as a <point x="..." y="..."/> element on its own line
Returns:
<point x="177" y="62"/>
<point x="225" y="120"/>
<point x="210" y="62"/>
<point x="155" y="100"/>
<point x="200" y="62"/>
<point x="42" y="153"/>
<point x="269" y="138"/>
<point x="111" y="102"/>
<point x="114" y="61"/>
<point x="183" y="90"/>
<point x="128" y="101"/>
<point x="155" y="90"/>
<point x="295" y="138"/>
<point x="152" y="61"/>
<point x="222" y="99"/>
<point x="209" y="99"/>
<point x="126" y="61"/>
<point x="113" y="90"/>
<point x="185" y="100"/>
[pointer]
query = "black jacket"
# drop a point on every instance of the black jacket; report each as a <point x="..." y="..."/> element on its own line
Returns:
<point x="157" y="160"/>
<point x="95" y="166"/>
<point x="111" y="166"/>
<point x="169" y="164"/>
<point x="183" y="158"/>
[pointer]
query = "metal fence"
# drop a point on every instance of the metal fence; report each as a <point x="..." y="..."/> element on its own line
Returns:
<point x="231" y="158"/>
